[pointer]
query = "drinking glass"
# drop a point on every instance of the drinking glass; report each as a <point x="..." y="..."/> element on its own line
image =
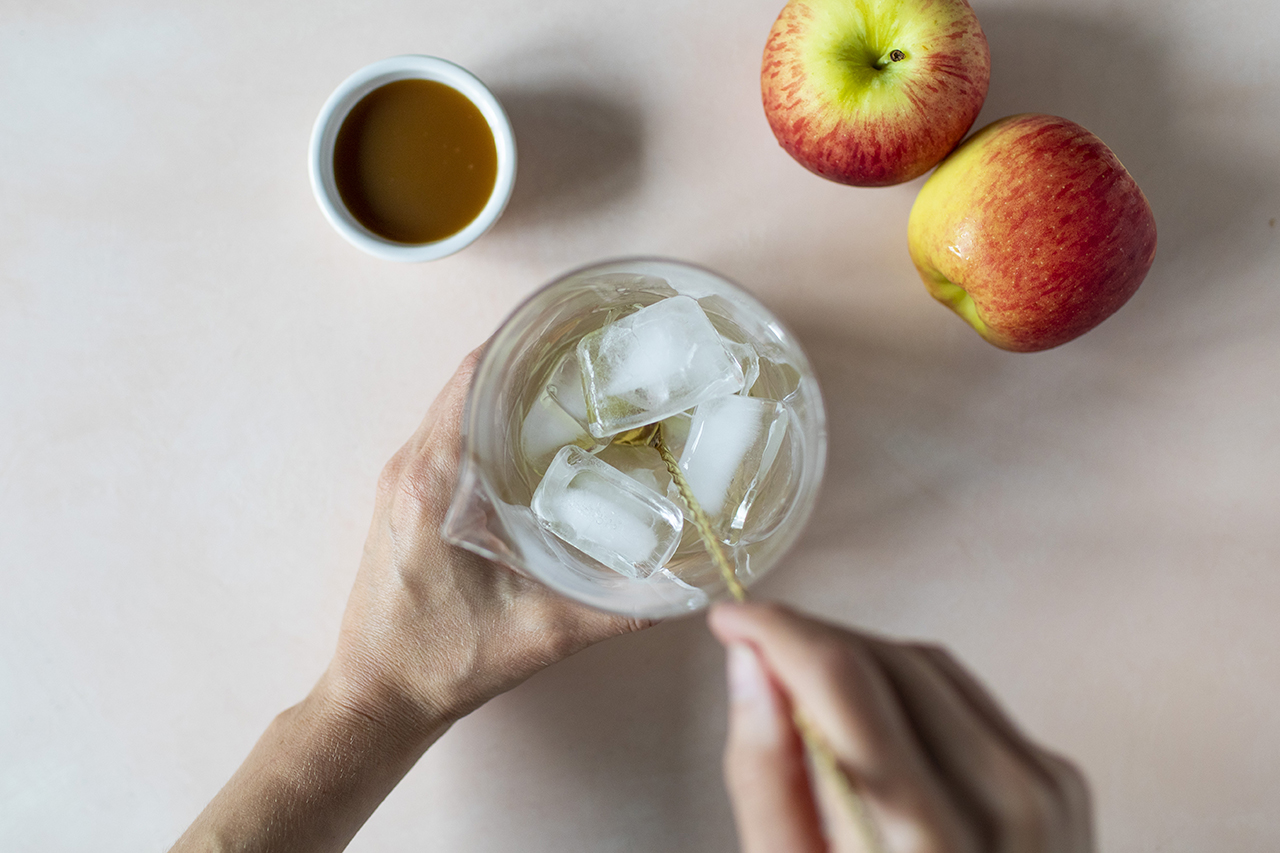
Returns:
<point x="490" y="512"/>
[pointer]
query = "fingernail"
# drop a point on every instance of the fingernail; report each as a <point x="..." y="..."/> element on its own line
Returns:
<point x="747" y="679"/>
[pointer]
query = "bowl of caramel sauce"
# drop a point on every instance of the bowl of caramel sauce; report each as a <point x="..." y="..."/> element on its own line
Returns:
<point x="412" y="158"/>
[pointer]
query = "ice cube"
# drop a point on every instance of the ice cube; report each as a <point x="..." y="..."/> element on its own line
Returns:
<point x="606" y="514"/>
<point x="565" y="387"/>
<point x="546" y="428"/>
<point x="748" y="360"/>
<point x="642" y="464"/>
<point x="778" y="380"/>
<point x="733" y="441"/>
<point x="663" y="359"/>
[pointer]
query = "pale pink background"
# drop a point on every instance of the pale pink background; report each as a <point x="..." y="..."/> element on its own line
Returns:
<point x="199" y="382"/>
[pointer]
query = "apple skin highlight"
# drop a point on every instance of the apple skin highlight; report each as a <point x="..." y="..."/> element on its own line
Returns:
<point x="846" y="106"/>
<point x="1033" y="232"/>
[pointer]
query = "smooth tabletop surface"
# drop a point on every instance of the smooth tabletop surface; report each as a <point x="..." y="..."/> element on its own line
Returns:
<point x="199" y="382"/>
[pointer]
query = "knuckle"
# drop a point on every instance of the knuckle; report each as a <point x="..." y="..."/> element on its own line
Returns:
<point x="737" y="779"/>
<point x="772" y="616"/>
<point x="467" y="368"/>
<point x="937" y="827"/>
<point x="774" y="609"/>
<point x="1070" y="781"/>
<point x="931" y="650"/>
<point x="742" y="766"/>
<point x="734" y="763"/>
<point x="548" y="645"/>
<point x="1032" y="814"/>
<point x="423" y="482"/>
<point x="389" y="476"/>
<point x="834" y="656"/>
<point x="631" y="624"/>
<point x="551" y="632"/>
<point x="831" y="656"/>
<point x="930" y="839"/>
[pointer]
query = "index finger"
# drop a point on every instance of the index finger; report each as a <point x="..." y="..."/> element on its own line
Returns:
<point x="427" y="462"/>
<point x="832" y="677"/>
<point x="835" y="680"/>
<point x="449" y="404"/>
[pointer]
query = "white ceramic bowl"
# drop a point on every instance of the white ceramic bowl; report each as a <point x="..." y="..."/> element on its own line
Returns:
<point x="346" y="96"/>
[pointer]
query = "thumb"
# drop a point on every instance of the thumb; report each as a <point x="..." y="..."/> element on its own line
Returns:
<point x="764" y="763"/>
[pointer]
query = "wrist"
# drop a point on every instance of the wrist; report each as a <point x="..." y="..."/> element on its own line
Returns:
<point x="371" y="708"/>
<point x="317" y="773"/>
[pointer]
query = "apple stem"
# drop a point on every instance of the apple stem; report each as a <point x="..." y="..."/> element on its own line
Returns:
<point x="889" y="58"/>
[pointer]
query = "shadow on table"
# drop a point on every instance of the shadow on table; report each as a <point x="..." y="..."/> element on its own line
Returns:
<point x="899" y="441"/>
<point x="888" y="389"/>
<point x="577" y="152"/>
<point x="633" y="730"/>
<point x="1114" y="77"/>
<point x="625" y="716"/>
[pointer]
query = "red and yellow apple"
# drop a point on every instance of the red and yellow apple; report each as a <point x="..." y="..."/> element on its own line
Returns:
<point x="1032" y="231"/>
<point x="873" y="92"/>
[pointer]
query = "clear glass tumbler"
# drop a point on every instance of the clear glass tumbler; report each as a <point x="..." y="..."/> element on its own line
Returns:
<point x="490" y="512"/>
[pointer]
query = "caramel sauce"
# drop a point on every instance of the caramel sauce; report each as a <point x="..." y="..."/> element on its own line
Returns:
<point x="415" y="161"/>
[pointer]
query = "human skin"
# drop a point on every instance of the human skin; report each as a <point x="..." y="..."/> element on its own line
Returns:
<point x="430" y="633"/>
<point x="939" y="765"/>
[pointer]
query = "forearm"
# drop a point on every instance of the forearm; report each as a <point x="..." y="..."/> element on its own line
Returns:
<point x="430" y="632"/>
<point x="314" y="777"/>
